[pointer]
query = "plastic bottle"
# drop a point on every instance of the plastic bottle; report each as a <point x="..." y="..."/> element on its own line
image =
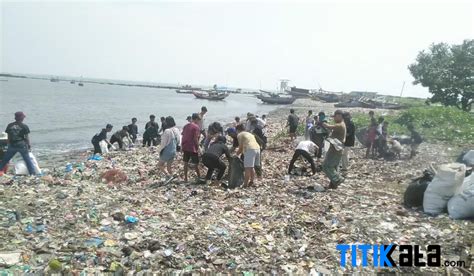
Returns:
<point x="68" y="167"/>
<point x="131" y="219"/>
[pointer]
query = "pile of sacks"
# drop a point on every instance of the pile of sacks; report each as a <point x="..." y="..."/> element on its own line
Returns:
<point x="449" y="188"/>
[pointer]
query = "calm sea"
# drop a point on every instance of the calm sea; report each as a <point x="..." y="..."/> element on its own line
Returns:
<point x="63" y="117"/>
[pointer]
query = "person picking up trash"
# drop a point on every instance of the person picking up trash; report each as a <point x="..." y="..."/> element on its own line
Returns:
<point x="18" y="141"/>
<point x="416" y="140"/>
<point x="101" y="136"/>
<point x="305" y="149"/>
<point x="212" y="159"/>
<point x="119" y="136"/>
<point x="249" y="147"/>
<point x="334" y="154"/>
<point x="233" y="134"/>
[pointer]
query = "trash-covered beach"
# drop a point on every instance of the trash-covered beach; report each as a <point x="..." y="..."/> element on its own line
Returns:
<point x="75" y="221"/>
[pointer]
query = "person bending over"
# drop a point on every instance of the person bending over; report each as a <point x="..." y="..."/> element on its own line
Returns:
<point x="212" y="159"/>
<point x="304" y="149"/>
<point x="119" y="136"/>
<point x="101" y="136"/>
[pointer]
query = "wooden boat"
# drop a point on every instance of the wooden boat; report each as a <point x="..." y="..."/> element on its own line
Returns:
<point x="355" y="103"/>
<point x="299" y="92"/>
<point x="329" y="98"/>
<point x="210" y="95"/>
<point x="184" y="91"/>
<point x="276" y="99"/>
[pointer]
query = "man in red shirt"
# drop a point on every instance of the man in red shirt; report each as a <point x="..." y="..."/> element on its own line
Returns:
<point x="190" y="144"/>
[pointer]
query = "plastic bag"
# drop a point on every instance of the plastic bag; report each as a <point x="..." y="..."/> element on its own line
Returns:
<point x="461" y="206"/>
<point x="468" y="158"/>
<point x="236" y="174"/>
<point x="22" y="169"/>
<point x="103" y="147"/>
<point x="414" y="193"/>
<point x="446" y="183"/>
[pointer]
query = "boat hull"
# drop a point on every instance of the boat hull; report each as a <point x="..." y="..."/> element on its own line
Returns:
<point x="276" y="100"/>
<point x="203" y="96"/>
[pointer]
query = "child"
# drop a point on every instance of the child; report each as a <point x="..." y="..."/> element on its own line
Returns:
<point x="371" y="138"/>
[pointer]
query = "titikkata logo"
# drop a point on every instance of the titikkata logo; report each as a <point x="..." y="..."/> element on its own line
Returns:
<point x="408" y="255"/>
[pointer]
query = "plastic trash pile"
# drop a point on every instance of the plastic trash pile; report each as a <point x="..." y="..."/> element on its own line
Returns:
<point x="111" y="214"/>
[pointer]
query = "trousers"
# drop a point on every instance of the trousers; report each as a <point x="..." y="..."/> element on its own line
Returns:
<point x="306" y="156"/>
<point x="212" y="162"/>
<point x="23" y="150"/>
<point x="331" y="163"/>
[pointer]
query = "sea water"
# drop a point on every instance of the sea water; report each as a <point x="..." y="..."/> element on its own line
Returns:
<point x="63" y="117"/>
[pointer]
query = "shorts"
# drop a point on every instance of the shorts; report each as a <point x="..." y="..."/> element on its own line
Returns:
<point x="251" y="158"/>
<point x="193" y="156"/>
<point x="293" y="129"/>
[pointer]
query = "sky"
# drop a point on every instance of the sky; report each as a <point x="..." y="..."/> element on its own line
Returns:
<point x="336" y="45"/>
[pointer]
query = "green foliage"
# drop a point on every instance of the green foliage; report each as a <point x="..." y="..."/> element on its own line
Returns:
<point x="435" y="123"/>
<point x="447" y="70"/>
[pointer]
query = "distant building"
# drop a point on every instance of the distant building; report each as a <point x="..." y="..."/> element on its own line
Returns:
<point x="366" y="94"/>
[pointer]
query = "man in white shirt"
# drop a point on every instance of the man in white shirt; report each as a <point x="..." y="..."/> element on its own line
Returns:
<point x="305" y="149"/>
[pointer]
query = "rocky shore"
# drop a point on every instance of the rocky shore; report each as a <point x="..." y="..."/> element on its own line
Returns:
<point x="75" y="221"/>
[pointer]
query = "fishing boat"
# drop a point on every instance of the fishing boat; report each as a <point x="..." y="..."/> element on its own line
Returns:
<point x="73" y="82"/>
<point x="80" y="84"/>
<point x="329" y="98"/>
<point x="210" y="95"/>
<point x="355" y="103"/>
<point x="299" y="92"/>
<point x="276" y="99"/>
<point x="54" y="80"/>
<point x="184" y="91"/>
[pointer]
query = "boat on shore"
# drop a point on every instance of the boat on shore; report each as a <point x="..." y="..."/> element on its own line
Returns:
<point x="276" y="99"/>
<point x="210" y="95"/>
<point x="299" y="92"/>
<point x="326" y="97"/>
<point x="355" y="103"/>
<point x="369" y="103"/>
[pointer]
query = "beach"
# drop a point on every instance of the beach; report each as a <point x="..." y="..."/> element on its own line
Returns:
<point x="276" y="227"/>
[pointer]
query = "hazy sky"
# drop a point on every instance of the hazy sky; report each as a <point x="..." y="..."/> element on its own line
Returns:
<point x="342" y="45"/>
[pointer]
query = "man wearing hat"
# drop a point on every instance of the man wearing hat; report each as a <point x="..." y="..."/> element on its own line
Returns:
<point x="334" y="154"/>
<point x="18" y="141"/>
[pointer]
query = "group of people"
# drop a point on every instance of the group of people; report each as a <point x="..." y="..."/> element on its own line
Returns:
<point x="378" y="140"/>
<point x="206" y="146"/>
<point x="197" y="144"/>
<point x="340" y="135"/>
